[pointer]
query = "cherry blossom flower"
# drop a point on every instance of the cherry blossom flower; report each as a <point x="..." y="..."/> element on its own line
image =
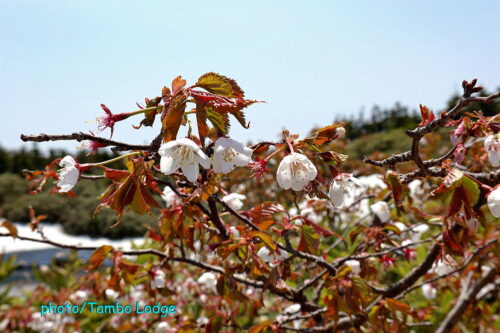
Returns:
<point x="109" y="120"/>
<point x="259" y="167"/>
<point x="492" y="146"/>
<point x="162" y="327"/>
<point x="341" y="189"/>
<point x="355" y="266"/>
<point x="234" y="200"/>
<point x="408" y="252"/>
<point x="387" y="261"/>
<point x="442" y="268"/>
<point x="381" y="209"/>
<point x="372" y="182"/>
<point x="235" y="232"/>
<point x="295" y="171"/>
<point x="340" y="132"/>
<point x="170" y="197"/>
<point x="291" y="309"/>
<point x="457" y="136"/>
<point x="158" y="280"/>
<point x="208" y="279"/>
<point x="494" y="202"/>
<point x="79" y="296"/>
<point x="429" y="291"/>
<point x="229" y="153"/>
<point x="272" y="259"/>
<point x="185" y="154"/>
<point x="417" y="231"/>
<point x="111" y="294"/>
<point x="92" y="145"/>
<point x="417" y="191"/>
<point x="460" y="153"/>
<point x="69" y="174"/>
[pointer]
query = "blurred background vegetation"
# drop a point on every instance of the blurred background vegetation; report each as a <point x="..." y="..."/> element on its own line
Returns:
<point x="381" y="133"/>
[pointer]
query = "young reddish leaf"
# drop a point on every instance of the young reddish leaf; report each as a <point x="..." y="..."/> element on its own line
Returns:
<point x="9" y="226"/>
<point x="266" y="238"/>
<point x="207" y="189"/>
<point x="260" y="328"/>
<point x="34" y="219"/>
<point x="309" y="240"/>
<point x="131" y="192"/>
<point x="451" y="242"/>
<point x="98" y="256"/>
<point x="171" y="223"/>
<point x="177" y="84"/>
<point x="201" y="121"/>
<point x="325" y="134"/>
<point x="427" y="115"/>
<point x="128" y="266"/>
<point x="115" y="175"/>
<point x="262" y="215"/>
<point x="220" y="85"/>
<point x="395" y="185"/>
<point x="395" y="305"/>
<point x="154" y="235"/>
<point x="173" y="118"/>
<point x="220" y="104"/>
<point x="322" y="231"/>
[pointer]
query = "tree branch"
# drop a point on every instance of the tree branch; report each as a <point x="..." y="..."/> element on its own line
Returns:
<point x="466" y="297"/>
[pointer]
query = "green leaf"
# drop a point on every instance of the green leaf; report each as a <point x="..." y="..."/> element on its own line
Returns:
<point x="471" y="189"/>
<point x="220" y="85"/>
<point x="220" y="121"/>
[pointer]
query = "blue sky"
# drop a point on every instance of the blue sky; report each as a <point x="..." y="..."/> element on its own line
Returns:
<point x="310" y="60"/>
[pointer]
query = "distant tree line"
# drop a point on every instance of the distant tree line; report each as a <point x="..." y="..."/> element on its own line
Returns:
<point x="14" y="161"/>
<point x="400" y="116"/>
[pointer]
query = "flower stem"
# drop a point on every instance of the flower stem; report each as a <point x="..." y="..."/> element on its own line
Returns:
<point x="114" y="159"/>
<point x="133" y="113"/>
<point x="274" y="153"/>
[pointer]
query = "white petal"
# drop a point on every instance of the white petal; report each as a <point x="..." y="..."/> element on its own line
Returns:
<point x="298" y="185"/>
<point x="68" y="161"/>
<point x="168" y="164"/>
<point x="494" y="157"/>
<point x="284" y="177"/>
<point x="242" y="159"/>
<point x="203" y="159"/>
<point x="337" y="194"/>
<point x="191" y="171"/>
<point x="68" y="177"/>
<point x="494" y="202"/>
<point x="217" y="163"/>
<point x="189" y="143"/>
<point x="381" y="209"/>
<point x="166" y="148"/>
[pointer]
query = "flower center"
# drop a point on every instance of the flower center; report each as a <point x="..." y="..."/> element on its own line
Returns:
<point x="296" y="169"/>
<point x="228" y="155"/>
<point x="184" y="154"/>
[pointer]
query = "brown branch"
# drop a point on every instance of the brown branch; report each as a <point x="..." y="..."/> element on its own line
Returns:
<point x="390" y="161"/>
<point x="142" y="252"/>
<point x="459" y="269"/>
<point x="466" y="297"/>
<point x="415" y="273"/>
<point x="215" y="218"/>
<point x="80" y="136"/>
